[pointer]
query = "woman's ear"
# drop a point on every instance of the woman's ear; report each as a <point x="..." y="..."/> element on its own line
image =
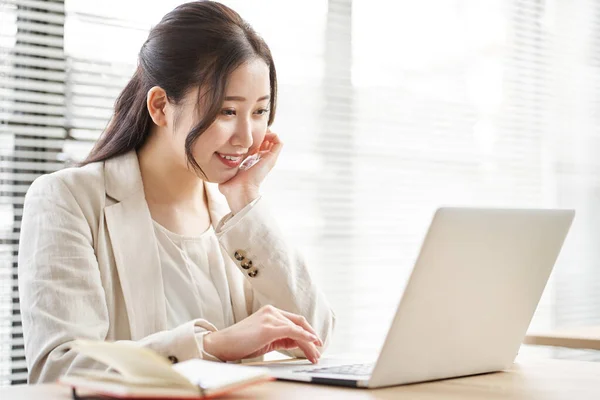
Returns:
<point x="157" y="101"/>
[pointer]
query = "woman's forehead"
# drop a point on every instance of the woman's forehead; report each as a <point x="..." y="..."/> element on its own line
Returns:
<point x="249" y="78"/>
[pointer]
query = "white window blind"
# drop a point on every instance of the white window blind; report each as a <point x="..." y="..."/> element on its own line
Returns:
<point x="388" y="110"/>
<point x="32" y="133"/>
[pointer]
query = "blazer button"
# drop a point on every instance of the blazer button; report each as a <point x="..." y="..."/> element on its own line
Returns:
<point x="246" y="264"/>
<point x="253" y="273"/>
<point x="239" y="255"/>
<point x="173" y="359"/>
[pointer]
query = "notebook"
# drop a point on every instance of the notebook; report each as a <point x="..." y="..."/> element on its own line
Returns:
<point x="138" y="372"/>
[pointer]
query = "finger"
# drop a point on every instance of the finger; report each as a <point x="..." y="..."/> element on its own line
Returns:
<point x="310" y="351"/>
<point x="301" y="321"/>
<point x="264" y="146"/>
<point x="271" y="137"/>
<point x="273" y="149"/>
<point x="270" y="157"/>
<point x="276" y="144"/>
<point x="290" y="331"/>
<point x="268" y="141"/>
<point x="306" y="346"/>
<point x="303" y="337"/>
<point x="295" y="319"/>
<point x="284" y="344"/>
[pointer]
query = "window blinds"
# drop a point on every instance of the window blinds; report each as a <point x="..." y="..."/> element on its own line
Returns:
<point x="32" y="132"/>
<point x="388" y="110"/>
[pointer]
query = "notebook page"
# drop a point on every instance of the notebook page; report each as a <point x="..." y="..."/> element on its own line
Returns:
<point x="214" y="375"/>
<point x="137" y="364"/>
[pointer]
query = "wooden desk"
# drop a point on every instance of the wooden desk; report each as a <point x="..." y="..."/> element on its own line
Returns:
<point x="531" y="379"/>
<point x="576" y="338"/>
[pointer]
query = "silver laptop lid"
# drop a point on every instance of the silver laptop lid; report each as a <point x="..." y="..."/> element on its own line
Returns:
<point x="472" y="293"/>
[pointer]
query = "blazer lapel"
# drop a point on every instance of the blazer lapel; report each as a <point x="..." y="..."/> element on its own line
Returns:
<point x="134" y="246"/>
<point x="218" y="209"/>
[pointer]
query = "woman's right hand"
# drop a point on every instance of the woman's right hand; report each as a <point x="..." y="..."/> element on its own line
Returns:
<point x="266" y="330"/>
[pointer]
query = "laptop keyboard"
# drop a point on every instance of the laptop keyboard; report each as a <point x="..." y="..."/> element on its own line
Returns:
<point x="352" y="369"/>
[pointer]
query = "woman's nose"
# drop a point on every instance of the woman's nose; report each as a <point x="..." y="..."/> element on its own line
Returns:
<point x="243" y="135"/>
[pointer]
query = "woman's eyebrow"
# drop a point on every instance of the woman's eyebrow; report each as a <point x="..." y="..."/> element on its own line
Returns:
<point x="240" y="98"/>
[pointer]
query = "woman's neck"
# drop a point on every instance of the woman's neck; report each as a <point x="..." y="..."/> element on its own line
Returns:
<point x="166" y="180"/>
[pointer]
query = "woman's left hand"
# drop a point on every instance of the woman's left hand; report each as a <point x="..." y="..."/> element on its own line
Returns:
<point x="244" y="187"/>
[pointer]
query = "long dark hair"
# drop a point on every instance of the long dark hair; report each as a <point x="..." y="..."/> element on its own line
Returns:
<point x="198" y="44"/>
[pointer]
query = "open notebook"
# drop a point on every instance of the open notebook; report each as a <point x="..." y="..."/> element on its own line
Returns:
<point x="142" y="373"/>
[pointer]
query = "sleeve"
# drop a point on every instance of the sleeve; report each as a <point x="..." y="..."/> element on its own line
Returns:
<point x="275" y="271"/>
<point x="60" y="288"/>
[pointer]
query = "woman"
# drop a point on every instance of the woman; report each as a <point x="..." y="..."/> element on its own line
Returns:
<point x="159" y="237"/>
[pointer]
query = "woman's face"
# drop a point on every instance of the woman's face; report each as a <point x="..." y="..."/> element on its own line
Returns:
<point x="240" y="126"/>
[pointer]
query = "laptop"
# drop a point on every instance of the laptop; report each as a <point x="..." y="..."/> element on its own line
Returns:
<point x="467" y="304"/>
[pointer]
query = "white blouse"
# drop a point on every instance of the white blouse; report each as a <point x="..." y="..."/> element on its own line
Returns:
<point x="194" y="278"/>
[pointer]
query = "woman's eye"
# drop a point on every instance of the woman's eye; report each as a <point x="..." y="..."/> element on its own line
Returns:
<point x="228" y="112"/>
<point x="262" y="111"/>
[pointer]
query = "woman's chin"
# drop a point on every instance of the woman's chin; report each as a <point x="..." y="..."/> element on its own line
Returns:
<point x="221" y="177"/>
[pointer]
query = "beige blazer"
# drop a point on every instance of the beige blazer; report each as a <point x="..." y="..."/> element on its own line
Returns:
<point x="89" y="268"/>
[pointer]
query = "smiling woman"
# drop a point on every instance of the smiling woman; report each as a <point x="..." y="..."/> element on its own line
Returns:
<point x="159" y="237"/>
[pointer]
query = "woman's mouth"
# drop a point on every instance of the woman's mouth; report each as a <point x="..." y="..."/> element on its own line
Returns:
<point x="231" y="160"/>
